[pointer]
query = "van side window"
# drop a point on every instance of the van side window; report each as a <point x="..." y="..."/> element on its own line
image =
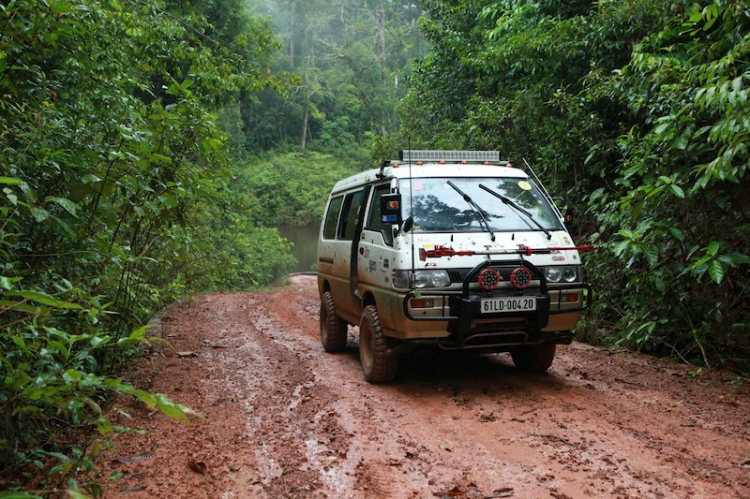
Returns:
<point x="349" y="215"/>
<point x="332" y="217"/>
<point x="374" y="218"/>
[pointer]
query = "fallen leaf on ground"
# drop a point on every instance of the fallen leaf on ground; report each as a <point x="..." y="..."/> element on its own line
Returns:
<point x="197" y="466"/>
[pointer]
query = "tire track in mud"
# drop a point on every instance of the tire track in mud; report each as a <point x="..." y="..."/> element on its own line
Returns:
<point x="540" y="435"/>
<point x="286" y="419"/>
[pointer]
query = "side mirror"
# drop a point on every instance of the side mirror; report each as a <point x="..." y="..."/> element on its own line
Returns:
<point x="408" y="224"/>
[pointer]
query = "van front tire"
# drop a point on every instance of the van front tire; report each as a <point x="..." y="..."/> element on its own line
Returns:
<point x="536" y="358"/>
<point x="378" y="364"/>
<point x="332" y="328"/>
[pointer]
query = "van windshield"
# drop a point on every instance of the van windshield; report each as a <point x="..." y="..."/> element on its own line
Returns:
<point x="439" y="207"/>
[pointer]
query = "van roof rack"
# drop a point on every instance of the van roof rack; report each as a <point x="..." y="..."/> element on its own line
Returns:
<point x="492" y="157"/>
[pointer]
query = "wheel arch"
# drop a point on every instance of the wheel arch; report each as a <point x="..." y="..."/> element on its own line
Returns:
<point x="369" y="299"/>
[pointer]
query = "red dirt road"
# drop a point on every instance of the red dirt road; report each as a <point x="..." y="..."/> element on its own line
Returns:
<point x="282" y="418"/>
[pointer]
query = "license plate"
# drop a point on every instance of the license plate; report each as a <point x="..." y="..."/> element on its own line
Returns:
<point x="508" y="304"/>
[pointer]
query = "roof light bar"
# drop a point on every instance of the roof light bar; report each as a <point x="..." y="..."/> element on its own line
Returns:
<point x="434" y="155"/>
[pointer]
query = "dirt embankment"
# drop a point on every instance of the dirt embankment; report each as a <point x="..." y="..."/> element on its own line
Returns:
<point x="284" y="419"/>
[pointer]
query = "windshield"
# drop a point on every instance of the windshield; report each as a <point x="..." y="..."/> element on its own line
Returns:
<point x="439" y="207"/>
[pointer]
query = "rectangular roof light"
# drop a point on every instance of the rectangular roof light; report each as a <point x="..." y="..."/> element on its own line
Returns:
<point x="453" y="156"/>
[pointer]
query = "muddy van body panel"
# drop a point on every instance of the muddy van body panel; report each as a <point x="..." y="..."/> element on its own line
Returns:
<point x="482" y="260"/>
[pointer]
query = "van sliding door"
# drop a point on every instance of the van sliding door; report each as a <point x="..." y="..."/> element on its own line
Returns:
<point x="353" y="273"/>
<point x="350" y="230"/>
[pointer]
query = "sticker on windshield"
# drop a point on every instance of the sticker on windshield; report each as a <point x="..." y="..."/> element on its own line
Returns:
<point x="524" y="185"/>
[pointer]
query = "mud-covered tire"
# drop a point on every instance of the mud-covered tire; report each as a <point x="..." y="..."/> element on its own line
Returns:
<point x="378" y="364"/>
<point x="332" y="328"/>
<point x="537" y="358"/>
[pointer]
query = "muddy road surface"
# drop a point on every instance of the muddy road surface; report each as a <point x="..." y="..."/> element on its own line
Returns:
<point x="282" y="418"/>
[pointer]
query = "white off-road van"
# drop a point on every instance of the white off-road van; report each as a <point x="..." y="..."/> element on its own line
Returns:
<point x="450" y="249"/>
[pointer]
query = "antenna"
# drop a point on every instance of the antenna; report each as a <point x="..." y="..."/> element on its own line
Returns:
<point x="411" y="213"/>
<point x="543" y="189"/>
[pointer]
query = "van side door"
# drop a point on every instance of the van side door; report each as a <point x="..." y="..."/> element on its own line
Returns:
<point x="376" y="242"/>
<point x="348" y="232"/>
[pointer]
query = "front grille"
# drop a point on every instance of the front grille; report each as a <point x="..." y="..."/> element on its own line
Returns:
<point x="456" y="275"/>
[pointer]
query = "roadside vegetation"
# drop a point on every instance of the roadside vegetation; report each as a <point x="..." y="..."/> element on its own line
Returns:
<point x="147" y="150"/>
<point x="115" y="199"/>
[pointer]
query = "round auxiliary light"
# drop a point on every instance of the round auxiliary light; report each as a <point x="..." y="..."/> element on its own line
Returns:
<point x="489" y="279"/>
<point x="520" y="278"/>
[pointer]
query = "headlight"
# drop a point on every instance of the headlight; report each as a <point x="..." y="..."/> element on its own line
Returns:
<point x="431" y="279"/>
<point x="553" y="274"/>
<point x="569" y="273"/>
<point x="422" y="279"/>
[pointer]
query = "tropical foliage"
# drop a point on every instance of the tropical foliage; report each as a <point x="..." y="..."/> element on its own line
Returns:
<point x="291" y="188"/>
<point x="110" y="165"/>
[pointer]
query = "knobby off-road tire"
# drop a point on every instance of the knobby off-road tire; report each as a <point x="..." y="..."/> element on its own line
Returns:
<point x="537" y="358"/>
<point x="379" y="365"/>
<point x="332" y="328"/>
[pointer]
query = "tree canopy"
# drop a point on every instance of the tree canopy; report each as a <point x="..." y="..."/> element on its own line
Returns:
<point x="352" y="60"/>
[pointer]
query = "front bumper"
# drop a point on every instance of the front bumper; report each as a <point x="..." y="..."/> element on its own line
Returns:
<point x="469" y="327"/>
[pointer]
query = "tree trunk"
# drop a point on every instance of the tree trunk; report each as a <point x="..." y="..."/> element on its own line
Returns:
<point x="382" y="42"/>
<point x="292" y="12"/>
<point x="306" y="113"/>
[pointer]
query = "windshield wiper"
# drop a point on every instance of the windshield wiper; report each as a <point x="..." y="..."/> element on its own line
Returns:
<point x="515" y="206"/>
<point x="478" y="211"/>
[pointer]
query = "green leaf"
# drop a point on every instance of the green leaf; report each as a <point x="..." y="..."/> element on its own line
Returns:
<point x="44" y="299"/>
<point x="136" y="335"/>
<point x="39" y="214"/>
<point x="7" y="283"/>
<point x="677" y="191"/>
<point x="713" y="248"/>
<point x="11" y="181"/>
<point x="716" y="271"/>
<point x="67" y="204"/>
<point x="677" y="233"/>
<point x="621" y="247"/>
<point x="23" y="307"/>
<point x="173" y="409"/>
